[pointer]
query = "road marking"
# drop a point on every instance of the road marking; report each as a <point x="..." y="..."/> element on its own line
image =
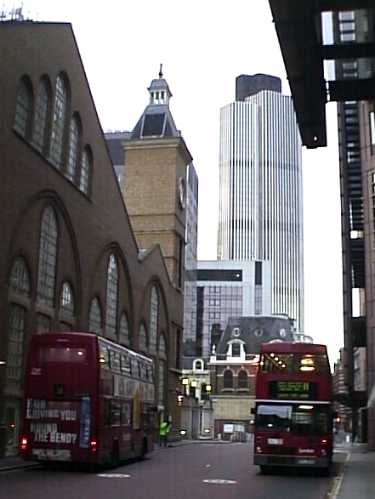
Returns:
<point x="208" y="466"/>
<point x="220" y="481"/>
<point x="112" y="475"/>
<point x="337" y="481"/>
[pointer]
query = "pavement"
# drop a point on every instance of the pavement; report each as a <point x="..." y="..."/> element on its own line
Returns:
<point x="355" y="477"/>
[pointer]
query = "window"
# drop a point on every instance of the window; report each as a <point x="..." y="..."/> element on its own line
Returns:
<point x="86" y="168"/>
<point x="228" y="379"/>
<point x="43" y="324"/>
<point x="161" y="382"/>
<point x="95" y="317"/>
<point x="16" y="331"/>
<point x="19" y="277"/>
<point x="112" y="290"/>
<point x="67" y="300"/>
<point x="58" y="121"/>
<point x="40" y="116"/>
<point x="162" y="347"/>
<point x="372" y="131"/>
<point x="74" y="137"/>
<point x="47" y="257"/>
<point x="242" y="379"/>
<point x="236" y="349"/>
<point x="24" y="105"/>
<point x="142" y="339"/>
<point x="124" y="338"/>
<point x="154" y="314"/>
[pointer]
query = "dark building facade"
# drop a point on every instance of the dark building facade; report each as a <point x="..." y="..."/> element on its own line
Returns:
<point x="69" y="259"/>
<point x="342" y="32"/>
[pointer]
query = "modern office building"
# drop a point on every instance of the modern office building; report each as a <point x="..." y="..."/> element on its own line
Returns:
<point x="260" y="188"/>
<point x="228" y="288"/>
<point x="342" y="33"/>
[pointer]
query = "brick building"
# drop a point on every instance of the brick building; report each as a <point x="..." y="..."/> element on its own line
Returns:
<point x="69" y="259"/>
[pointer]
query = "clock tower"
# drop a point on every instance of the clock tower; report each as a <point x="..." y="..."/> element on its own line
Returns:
<point x="154" y="183"/>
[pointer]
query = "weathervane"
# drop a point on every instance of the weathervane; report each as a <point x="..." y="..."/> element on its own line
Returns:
<point x="161" y="71"/>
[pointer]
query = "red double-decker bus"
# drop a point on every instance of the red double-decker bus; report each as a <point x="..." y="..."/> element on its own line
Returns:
<point x="87" y="400"/>
<point x="293" y="408"/>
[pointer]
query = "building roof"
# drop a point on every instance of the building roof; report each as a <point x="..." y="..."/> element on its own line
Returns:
<point x="254" y="331"/>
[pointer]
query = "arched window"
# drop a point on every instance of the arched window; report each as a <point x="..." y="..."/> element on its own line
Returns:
<point x="198" y="365"/>
<point x="236" y="349"/>
<point x="86" y="171"/>
<point x="16" y="330"/>
<point x="142" y="339"/>
<point x="67" y="299"/>
<point x="154" y="313"/>
<point x="95" y="317"/>
<point x="228" y="379"/>
<point x="242" y="379"/>
<point x="124" y="337"/>
<point x="24" y="107"/>
<point x="41" y="115"/>
<point x="19" y="277"/>
<point x="162" y="369"/>
<point x="47" y="257"/>
<point x="162" y="348"/>
<point x="58" y="121"/>
<point x="74" y="138"/>
<point x="112" y="292"/>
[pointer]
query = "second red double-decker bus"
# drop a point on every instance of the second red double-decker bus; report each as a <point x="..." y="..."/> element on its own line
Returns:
<point x="87" y="400"/>
<point x="293" y="410"/>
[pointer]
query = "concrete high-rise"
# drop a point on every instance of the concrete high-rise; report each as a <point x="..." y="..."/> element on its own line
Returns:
<point x="260" y="168"/>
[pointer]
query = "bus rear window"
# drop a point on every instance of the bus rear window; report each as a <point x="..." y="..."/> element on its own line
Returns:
<point x="71" y="355"/>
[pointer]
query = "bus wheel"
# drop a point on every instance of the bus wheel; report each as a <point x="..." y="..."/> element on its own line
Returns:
<point x="115" y="456"/>
<point x="144" y="448"/>
<point x="265" y="470"/>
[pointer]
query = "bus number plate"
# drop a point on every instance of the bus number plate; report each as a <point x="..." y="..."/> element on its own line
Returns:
<point x="53" y="454"/>
<point x="275" y="441"/>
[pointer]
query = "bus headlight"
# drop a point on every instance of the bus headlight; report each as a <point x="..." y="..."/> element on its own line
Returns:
<point x="258" y="449"/>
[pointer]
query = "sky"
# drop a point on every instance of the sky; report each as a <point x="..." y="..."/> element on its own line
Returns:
<point x="203" y="45"/>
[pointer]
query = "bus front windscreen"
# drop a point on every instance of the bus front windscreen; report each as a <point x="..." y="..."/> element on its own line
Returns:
<point x="298" y="419"/>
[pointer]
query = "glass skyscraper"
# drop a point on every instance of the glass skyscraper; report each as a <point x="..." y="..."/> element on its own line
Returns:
<point x="260" y="168"/>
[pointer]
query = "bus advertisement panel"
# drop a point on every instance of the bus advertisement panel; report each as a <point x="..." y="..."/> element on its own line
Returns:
<point x="293" y="407"/>
<point x="87" y="400"/>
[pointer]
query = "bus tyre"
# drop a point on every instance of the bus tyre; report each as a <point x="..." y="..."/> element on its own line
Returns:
<point x="144" y="448"/>
<point x="115" y="456"/>
<point x="265" y="470"/>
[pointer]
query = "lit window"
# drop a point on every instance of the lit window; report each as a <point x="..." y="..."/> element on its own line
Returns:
<point x="47" y="257"/>
<point x="112" y="295"/>
<point x="40" y="116"/>
<point x="23" y="108"/>
<point x="74" y="136"/>
<point x="58" y="121"/>
<point x="95" y="317"/>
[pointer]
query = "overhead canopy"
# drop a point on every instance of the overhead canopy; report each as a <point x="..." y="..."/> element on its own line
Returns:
<point x="298" y="27"/>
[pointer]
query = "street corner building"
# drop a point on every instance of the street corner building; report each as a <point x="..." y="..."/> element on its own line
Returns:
<point x="69" y="259"/>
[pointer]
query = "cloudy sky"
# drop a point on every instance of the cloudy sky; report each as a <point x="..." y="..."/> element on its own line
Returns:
<point x="204" y="45"/>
